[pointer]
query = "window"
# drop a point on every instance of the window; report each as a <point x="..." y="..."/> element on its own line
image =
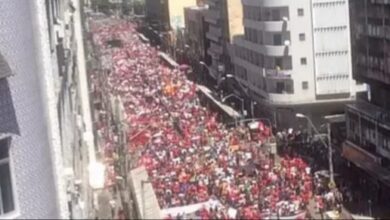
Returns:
<point x="302" y="37"/>
<point x="276" y="15"/>
<point x="279" y="63"/>
<point x="300" y="12"/>
<point x="305" y="85"/>
<point x="6" y="191"/>
<point x="5" y="70"/>
<point x="280" y="87"/>
<point x="303" y="61"/>
<point x="277" y="39"/>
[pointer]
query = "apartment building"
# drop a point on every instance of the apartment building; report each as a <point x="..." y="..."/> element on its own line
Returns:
<point x="44" y="145"/>
<point x="224" y="18"/>
<point x="295" y="56"/>
<point x="165" y="21"/>
<point x="195" y="38"/>
<point x="368" y="120"/>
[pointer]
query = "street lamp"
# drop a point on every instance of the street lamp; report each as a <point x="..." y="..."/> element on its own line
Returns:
<point x="329" y="146"/>
<point x="253" y="103"/>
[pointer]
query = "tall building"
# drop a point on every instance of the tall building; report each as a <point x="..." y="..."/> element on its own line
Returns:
<point x="224" y="18"/>
<point x="195" y="37"/>
<point x="41" y="137"/>
<point x="295" y="56"/>
<point x="368" y="120"/>
<point x="165" y="19"/>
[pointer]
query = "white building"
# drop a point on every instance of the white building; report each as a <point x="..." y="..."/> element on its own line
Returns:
<point x="45" y="127"/>
<point x="296" y="56"/>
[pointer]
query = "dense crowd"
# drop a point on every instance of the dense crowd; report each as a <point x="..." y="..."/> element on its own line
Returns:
<point x="189" y="155"/>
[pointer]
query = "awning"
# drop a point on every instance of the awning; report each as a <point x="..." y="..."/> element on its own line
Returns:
<point x="168" y="59"/>
<point x="227" y="109"/>
<point x="366" y="163"/>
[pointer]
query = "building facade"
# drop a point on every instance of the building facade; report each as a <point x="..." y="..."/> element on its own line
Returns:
<point x="368" y="120"/>
<point x="165" y="23"/>
<point x="195" y="38"/>
<point x="290" y="60"/>
<point x="224" y="18"/>
<point x="42" y="175"/>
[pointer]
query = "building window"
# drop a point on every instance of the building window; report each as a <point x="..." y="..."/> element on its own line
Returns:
<point x="280" y="87"/>
<point x="6" y="191"/>
<point x="5" y="69"/>
<point x="302" y="37"/>
<point x="305" y="85"/>
<point x="300" y="12"/>
<point x="303" y="61"/>
<point x="277" y="39"/>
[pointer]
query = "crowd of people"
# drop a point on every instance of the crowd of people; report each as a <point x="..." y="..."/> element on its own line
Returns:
<point x="190" y="156"/>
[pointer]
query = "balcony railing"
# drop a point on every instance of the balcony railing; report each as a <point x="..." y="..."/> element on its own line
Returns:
<point x="278" y="74"/>
<point x="215" y="31"/>
<point x="371" y="112"/>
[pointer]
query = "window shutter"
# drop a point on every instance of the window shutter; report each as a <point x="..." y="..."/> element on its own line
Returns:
<point x="5" y="70"/>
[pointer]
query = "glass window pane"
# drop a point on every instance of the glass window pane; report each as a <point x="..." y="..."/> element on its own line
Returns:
<point x="6" y="188"/>
<point x="3" y="149"/>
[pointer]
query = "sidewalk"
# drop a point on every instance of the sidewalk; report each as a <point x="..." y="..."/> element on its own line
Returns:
<point x="311" y="208"/>
<point x="104" y="210"/>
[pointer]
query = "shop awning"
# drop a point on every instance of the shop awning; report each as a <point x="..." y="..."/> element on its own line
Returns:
<point x="227" y="109"/>
<point x="168" y="59"/>
<point x="362" y="161"/>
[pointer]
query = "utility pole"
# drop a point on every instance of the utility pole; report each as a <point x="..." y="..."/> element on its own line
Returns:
<point x="330" y="156"/>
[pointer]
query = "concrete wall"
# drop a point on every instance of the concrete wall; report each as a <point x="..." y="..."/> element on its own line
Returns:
<point x="32" y="149"/>
<point x="332" y="47"/>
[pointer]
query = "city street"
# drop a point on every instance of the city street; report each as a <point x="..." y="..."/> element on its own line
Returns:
<point x="191" y="157"/>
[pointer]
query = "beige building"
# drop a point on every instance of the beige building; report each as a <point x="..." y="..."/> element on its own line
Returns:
<point x="165" y="20"/>
<point x="167" y="12"/>
<point x="224" y="18"/>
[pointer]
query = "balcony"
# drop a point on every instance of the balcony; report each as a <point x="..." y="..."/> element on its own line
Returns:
<point x="213" y="54"/>
<point x="269" y="50"/>
<point x="215" y="48"/>
<point x="283" y="99"/>
<point x="277" y="74"/>
<point x="371" y="113"/>
<point x="212" y="37"/>
<point x="267" y="3"/>
<point x="212" y="16"/>
<point x="215" y="31"/>
<point x="269" y="26"/>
